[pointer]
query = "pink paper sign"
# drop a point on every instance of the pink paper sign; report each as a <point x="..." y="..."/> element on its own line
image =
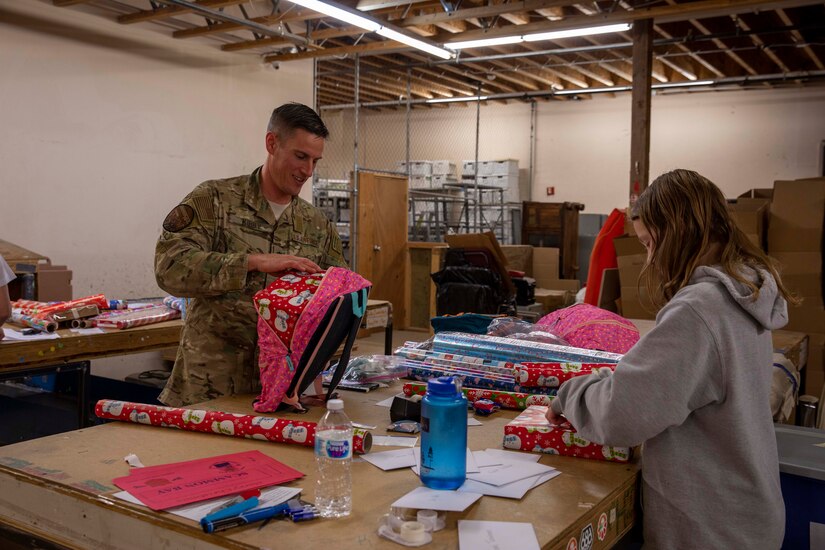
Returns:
<point x="167" y="485"/>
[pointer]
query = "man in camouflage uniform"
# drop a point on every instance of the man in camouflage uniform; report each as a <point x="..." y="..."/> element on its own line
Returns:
<point x="222" y="242"/>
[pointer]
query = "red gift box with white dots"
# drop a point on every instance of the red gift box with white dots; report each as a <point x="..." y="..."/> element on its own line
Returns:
<point x="531" y="431"/>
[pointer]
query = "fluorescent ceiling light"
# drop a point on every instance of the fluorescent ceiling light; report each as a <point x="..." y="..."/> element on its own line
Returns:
<point x="457" y="99"/>
<point x="370" y="25"/>
<point x="570" y="33"/>
<point x="484" y="42"/>
<point x="682" y="84"/>
<point x="340" y="14"/>
<point x="414" y="42"/>
<point x="515" y="39"/>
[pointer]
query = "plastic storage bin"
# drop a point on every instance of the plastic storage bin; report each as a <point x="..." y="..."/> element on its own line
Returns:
<point x="802" y="475"/>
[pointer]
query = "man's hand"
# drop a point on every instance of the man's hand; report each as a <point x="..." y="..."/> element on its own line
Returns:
<point x="274" y="263"/>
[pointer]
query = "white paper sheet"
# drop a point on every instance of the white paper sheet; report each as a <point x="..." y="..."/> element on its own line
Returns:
<point x="501" y="455"/>
<point x="197" y="510"/>
<point x="516" y="489"/>
<point x="392" y="460"/>
<point x="471" y="466"/>
<point x="471" y="421"/>
<point x="424" y="498"/>
<point x="13" y="335"/>
<point x="509" y="472"/>
<point x="388" y="401"/>
<point x="496" y="535"/>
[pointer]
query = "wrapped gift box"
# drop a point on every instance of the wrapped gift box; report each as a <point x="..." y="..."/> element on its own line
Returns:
<point x="531" y="431"/>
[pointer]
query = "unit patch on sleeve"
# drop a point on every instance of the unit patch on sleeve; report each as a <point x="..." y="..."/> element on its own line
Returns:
<point x="179" y="218"/>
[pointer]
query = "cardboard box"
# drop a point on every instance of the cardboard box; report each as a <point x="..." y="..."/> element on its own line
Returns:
<point x="630" y="267"/>
<point x="797" y="216"/>
<point x="52" y="282"/>
<point x="531" y="431"/>
<point x="751" y="216"/>
<point x="635" y="304"/>
<point x="519" y="257"/>
<point x="806" y="318"/>
<point x="545" y="265"/>
<point x="551" y="300"/>
<point x="792" y="345"/>
<point x="628" y="245"/>
<point x="802" y="272"/>
<point x="763" y="193"/>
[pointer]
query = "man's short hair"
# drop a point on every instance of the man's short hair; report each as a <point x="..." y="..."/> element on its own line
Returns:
<point x="290" y="116"/>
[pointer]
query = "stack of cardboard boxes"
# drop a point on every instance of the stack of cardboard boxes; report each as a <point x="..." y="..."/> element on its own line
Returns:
<point x="795" y="240"/>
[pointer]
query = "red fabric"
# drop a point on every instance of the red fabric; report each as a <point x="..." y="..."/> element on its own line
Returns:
<point x="603" y="255"/>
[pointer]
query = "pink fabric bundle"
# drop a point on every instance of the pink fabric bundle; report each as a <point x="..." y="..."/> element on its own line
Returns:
<point x="278" y="430"/>
<point x="290" y="310"/>
<point x="590" y="327"/>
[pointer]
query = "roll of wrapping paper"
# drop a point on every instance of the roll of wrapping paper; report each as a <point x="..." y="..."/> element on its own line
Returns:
<point x="449" y="359"/>
<point x="117" y="304"/>
<point x="31" y="307"/>
<point x="514" y="350"/>
<point x="98" y="300"/>
<point x="504" y="399"/>
<point x="173" y="302"/>
<point x="45" y="323"/>
<point x="137" y="317"/>
<point x="265" y="428"/>
<point x="423" y="373"/>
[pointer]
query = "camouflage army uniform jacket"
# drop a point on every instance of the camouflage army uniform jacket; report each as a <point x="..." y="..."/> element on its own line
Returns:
<point x="202" y="254"/>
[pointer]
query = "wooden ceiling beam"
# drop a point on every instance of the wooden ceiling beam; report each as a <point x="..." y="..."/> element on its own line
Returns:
<point x="534" y="70"/>
<point x="323" y="34"/>
<point x="799" y="39"/>
<point x="383" y="46"/>
<point x="661" y="14"/>
<point x="292" y="16"/>
<point x="460" y="76"/>
<point x="524" y="84"/>
<point x="757" y="41"/>
<point x="171" y="11"/>
<point x="693" y="55"/>
<point x="481" y="12"/>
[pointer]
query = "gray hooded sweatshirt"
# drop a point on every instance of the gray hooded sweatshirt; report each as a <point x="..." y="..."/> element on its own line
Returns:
<point x="695" y="391"/>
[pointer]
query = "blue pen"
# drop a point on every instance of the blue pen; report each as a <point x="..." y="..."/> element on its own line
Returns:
<point x="244" y="518"/>
<point x="233" y="509"/>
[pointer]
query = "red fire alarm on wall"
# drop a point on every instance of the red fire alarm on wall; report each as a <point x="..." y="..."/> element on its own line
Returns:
<point x="551" y="191"/>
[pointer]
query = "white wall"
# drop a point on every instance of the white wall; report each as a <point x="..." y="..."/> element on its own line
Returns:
<point x="105" y="127"/>
<point x="739" y="139"/>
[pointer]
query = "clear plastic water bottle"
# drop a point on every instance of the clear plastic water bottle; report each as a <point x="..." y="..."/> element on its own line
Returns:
<point x="444" y="434"/>
<point x="333" y="456"/>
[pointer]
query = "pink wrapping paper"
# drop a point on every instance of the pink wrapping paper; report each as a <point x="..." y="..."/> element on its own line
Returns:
<point x="278" y="430"/>
<point x="553" y="375"/>
<point x="504" y="399"/>
<point x="128" y="318"/>
<point x="531" y="431"/>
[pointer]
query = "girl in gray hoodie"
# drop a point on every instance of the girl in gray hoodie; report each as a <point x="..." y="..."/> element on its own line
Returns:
<point x="695" y="390"/>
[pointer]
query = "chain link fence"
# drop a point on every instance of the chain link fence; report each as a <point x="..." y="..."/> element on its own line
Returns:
<point x="468" y="163"/>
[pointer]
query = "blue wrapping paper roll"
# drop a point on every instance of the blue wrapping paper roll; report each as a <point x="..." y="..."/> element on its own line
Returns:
<point x="512" y="350"/>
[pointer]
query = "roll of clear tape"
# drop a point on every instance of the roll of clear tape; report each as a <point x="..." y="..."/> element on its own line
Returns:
<point x="413" y="532"/>
<point x="430" y="519"/>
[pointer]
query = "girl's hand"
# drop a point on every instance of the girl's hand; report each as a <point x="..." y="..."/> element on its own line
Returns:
<point x="553" y="418"/>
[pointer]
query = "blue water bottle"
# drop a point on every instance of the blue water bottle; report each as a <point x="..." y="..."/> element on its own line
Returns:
<point x="444" y="434"/>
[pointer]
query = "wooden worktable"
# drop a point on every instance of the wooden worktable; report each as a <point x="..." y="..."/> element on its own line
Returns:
<point x="56" y="488"/>
<point x="23" y="355"/>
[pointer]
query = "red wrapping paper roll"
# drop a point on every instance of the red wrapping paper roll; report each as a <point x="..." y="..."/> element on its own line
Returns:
<point x="266" y="428"/>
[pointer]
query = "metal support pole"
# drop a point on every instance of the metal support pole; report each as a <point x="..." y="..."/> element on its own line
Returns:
<point x="354" y="235"/>
<point x="478" y="133"/>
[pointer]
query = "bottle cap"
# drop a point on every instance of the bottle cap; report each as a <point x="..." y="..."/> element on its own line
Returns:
<point x="444" y="386"/>
<point x="335" y="405"/>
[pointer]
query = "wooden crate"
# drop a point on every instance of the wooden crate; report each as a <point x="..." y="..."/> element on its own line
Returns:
<point x="555" y="225"/>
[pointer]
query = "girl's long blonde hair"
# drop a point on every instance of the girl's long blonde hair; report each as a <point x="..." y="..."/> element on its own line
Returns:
<point x="687" y="216"/>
